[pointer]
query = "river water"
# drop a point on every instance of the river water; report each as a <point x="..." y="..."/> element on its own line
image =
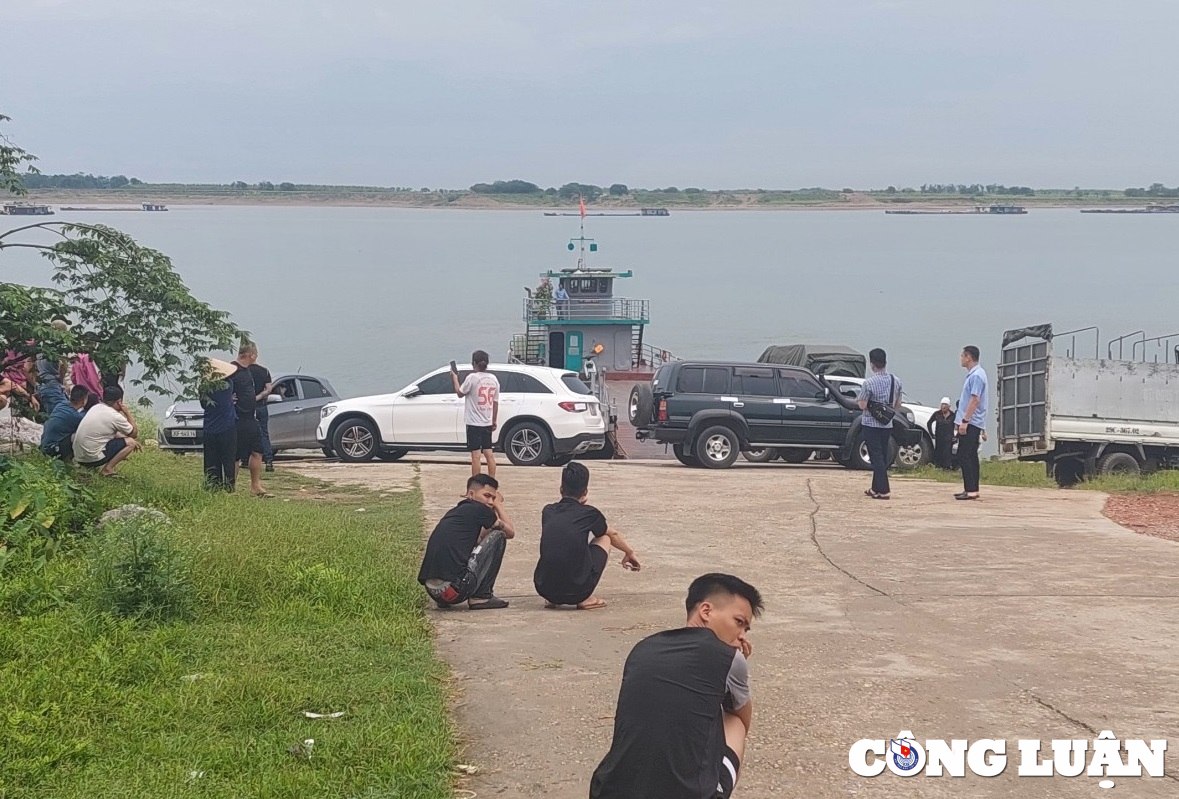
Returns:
<point x="372" y="297"/>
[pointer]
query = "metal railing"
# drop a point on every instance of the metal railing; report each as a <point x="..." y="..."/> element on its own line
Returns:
<point x="587" y="308"/>
<point x="646" y="355"/>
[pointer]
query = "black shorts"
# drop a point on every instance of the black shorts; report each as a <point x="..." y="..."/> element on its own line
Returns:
<point x="576" y="594"/>
<point x="112" y="448"/>
<point x="478" y="438"/>
<point x="249" y="438"/>
<point x="730" y="768"/>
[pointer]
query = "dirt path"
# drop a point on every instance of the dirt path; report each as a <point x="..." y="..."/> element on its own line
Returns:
<point x="1026" y="615"/>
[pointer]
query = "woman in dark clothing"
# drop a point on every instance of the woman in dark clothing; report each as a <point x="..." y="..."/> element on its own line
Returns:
<point x="941" y="428"/>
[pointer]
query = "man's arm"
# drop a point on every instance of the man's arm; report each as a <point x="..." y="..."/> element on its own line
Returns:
<point x="130" y="421"/>
<point x="628" y="554"/>
<point x="502" y="522"/>
<point x="458" y="389"/>
<point x="264" y="393"/>
<point x="495" y="414"/>
<point x="744" y="713"/>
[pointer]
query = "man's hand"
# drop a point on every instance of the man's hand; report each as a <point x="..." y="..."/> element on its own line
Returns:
<point x="629" y="561"/>
<point x="745" y="647"/>
<point x="494" y="426"/>
<point x="34" y="401"/>
<point x="962" y="429"/>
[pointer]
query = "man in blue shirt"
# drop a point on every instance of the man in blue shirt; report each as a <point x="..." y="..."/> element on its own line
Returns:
<point x="63" y="421"/>
<point x="883" y="388"/>
<point x="971" y="420"/>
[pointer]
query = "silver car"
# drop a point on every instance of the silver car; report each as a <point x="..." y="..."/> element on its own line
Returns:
<point x="294" y="404"/>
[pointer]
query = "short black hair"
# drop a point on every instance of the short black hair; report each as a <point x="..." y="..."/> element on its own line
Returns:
<point x="78" y="393"/>
<point x="877" y="357"/>
<point x="972" y="351"/>
<point x="482" y="480"/>
<point x="91" y="400"/>
<point x="112" y="394"/>
<point x="709" y="585"/>
<point x="480" y="359"/>
<point x="574" y="480"/>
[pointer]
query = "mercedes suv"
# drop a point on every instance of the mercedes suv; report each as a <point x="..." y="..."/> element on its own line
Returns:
<point x="711" y="411"/>
<point x="546" y="416"/>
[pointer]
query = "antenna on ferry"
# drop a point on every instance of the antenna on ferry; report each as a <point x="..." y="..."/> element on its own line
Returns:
<point x="593" y="247"/>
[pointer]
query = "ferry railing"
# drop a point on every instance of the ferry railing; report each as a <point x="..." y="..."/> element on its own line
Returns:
<point x="646" y="355"/>
<point x="577" y="309"/>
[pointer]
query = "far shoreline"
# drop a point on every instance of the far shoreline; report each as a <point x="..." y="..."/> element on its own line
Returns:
<point x="108" y="201"/>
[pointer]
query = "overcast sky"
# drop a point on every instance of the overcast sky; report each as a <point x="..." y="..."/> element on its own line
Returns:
<point x="743" y="93"/>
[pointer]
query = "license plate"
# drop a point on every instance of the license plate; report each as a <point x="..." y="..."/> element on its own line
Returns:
<point x="184" y="433"/>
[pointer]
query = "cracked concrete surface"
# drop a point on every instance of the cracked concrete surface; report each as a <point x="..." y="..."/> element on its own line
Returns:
<point x="1025" y="615"/>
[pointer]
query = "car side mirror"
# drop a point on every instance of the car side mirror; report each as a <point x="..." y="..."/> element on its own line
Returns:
<point x="272" y="398"/>
<point x="412" y="391"/>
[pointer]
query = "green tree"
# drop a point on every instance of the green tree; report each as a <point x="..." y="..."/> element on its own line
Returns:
<point x="240" y="185"/>
<point x="136" y="182"/>
<point x="118" y="182"/>
<point x="265" y="185"/>
<point x="285" y="186"/>
<point x="619" y="190"/>
<point x="126" y="302"/>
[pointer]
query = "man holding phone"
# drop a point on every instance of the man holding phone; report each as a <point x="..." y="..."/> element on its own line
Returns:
<point x="481" y="411"/>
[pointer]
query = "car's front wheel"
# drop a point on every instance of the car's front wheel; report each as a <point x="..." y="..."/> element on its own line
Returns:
<point x="764" y="455"/>
<point x="860" y="458"/>
<point x="915" y="456"/>
<point x="528" y="444"/>
<point x="390" y="455"/>
<point x="717" y="447"/>
<point x="684" y="456"/>
<point x="355" y="440"/>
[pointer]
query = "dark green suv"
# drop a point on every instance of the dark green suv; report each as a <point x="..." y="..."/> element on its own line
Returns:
<point x="711" y="411"/>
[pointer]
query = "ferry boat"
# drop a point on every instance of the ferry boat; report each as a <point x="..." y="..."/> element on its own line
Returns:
<point x="599" y="335"/>
<point x="27" y="209"/>
<point x="1000" y="210"/>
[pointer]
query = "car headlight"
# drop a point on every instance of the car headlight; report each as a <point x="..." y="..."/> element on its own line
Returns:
<point x="168" y="413"/>
<point x="326" y="411"/>
<point x="909" y="415"/>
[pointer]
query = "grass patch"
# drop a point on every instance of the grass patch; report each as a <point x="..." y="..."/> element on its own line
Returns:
<point x="300" y="606"/>
<point x="1032" y="475"/>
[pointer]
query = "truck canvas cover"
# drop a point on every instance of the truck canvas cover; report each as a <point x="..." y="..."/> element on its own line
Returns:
<point x="830" y="359"/>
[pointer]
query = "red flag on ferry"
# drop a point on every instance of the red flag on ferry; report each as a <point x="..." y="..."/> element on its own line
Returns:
<point x="581" y="202"/>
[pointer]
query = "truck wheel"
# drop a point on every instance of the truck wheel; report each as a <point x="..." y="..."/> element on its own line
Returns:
<point x="861" y="460"/>
<point x="915" y="456"/>
<point x="641" y="408"/>
<point x="1119" y="463"/>
<point x="1067" y="472"/>
<point x="796" y="455"/>
<point x="686" y="458"/>
<point x="355" y="441"/>
<point x="717" y="447"/>
<point x="764" y="455"/>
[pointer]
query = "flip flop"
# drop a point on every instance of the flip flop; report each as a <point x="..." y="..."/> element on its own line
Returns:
<point x="601" y="603"/>
<point x="495" y="603"/>
<point x="965" y="496"/>
<point x="265" y="495"/>
<point x="881" y="496"/>
<point x="551" y="606"/>
<point x="870" y="493"/>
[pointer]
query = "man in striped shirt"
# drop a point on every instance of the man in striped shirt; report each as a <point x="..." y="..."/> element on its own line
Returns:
<point x="883" y="388"/>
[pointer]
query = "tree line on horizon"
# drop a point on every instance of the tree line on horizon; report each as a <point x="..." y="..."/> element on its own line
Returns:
<point x="569" y="191"/>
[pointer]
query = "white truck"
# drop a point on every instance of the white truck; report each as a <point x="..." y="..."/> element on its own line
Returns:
<point x="1082" y="416"/>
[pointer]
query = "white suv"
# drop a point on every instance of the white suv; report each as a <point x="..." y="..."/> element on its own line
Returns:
<point x="546" y="416"/>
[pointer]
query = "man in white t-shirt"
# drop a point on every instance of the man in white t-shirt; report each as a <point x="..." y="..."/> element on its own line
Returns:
<point x="106" y="435"/>
<point x="481" y="410"/>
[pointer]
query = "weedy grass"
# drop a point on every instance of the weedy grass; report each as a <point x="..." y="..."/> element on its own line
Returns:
<point x="304" y="605"/>
<point x="1032" y="475"/>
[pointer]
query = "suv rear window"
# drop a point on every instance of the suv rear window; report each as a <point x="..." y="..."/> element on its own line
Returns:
<point x="575" y="384"/>
<point x="703" y="380"/>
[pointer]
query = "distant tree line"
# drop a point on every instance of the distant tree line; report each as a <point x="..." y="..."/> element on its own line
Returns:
<point x="78" y="181"/>
<point x="976" y="188"/>
<point x="569" y="191"/>
<point x="1155" y="190"/>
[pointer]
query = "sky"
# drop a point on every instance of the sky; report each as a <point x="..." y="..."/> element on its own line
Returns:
<point x="650" y="93"/>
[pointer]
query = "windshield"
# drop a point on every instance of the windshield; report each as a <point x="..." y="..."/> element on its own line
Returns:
<point x="575" y="384"/>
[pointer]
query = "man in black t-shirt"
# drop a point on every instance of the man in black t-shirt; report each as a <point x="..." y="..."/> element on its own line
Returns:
<point x="249" y="438"/>
<point x="684" y="708"/>
<point x="262" y="385"/>
<point x="466" y="549"/>
<point x="575" y="543"/>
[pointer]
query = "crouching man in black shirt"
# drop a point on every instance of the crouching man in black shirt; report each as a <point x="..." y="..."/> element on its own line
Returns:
<point x="466" y="549"/>
<point x="684" y="708"/>
<point x="575" y="543"/>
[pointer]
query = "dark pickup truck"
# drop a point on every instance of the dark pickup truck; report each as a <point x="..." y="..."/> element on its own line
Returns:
<point x="711" y="411"/>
